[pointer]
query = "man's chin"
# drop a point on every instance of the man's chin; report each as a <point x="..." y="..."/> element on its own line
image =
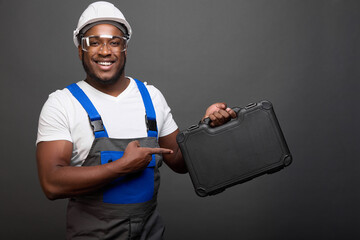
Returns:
<point x="106" y="81"/>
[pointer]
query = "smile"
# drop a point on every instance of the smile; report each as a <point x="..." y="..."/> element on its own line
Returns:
<point x="104" y="63"/>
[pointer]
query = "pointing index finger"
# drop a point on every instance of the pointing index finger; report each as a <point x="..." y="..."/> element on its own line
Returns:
<point x="159" y="150"/>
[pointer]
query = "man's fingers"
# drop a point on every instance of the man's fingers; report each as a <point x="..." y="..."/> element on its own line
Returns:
<point x="159" y="150"/>
<point x="222" y="116"/>
<point x="213" y="119"/>
<point x="231" y="112"/>
<point x="225" y="114"/>
<point x="221" y="105"/>
<point x="136" y="143"/>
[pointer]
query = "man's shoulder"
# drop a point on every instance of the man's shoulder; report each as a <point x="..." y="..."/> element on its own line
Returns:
<point x="154" y="91"/>
<point x="60" y="97"/>
<point x="60" y="94"/>
<point x="156" y="95"/>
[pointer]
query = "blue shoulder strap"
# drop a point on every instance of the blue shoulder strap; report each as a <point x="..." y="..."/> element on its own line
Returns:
<point x="150" y="116"/>
<point x="94" y="116"/>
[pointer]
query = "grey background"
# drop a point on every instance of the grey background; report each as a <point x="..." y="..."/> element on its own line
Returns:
<point x="302" y="55"/>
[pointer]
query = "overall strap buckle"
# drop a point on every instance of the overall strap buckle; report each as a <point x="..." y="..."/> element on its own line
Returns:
<point x="97" y="125"/>
<point x="150" y="124"/>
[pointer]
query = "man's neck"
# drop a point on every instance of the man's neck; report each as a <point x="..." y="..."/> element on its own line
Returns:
<point x="113" y="89"/>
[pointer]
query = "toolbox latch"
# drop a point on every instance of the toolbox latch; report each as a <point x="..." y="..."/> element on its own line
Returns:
<point x="193" y="127"/>
<point x="250" y="105"/>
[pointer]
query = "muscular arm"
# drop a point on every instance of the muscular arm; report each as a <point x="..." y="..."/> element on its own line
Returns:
<point x="175" y="160"/>
<point x="60" y="180"/>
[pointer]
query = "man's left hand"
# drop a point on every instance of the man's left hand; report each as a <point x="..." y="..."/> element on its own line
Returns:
<point x="219" y="114"/>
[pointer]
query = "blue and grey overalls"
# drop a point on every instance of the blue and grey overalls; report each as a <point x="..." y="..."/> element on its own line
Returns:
<point x="125" y="209"/>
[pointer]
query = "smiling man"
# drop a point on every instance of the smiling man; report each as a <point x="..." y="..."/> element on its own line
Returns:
<point x="106" y="58"/>
<point x="101" y="140"/>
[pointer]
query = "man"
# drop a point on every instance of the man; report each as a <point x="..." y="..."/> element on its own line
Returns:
<point x="100" y="141"/>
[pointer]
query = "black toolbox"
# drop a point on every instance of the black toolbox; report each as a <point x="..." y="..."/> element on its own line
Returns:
<point x="244" y="148"/>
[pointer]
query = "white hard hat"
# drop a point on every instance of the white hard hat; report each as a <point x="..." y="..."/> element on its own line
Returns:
<point x="100" y="11"/>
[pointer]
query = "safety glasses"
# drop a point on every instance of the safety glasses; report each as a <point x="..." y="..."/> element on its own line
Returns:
<point x="96" y="43"/>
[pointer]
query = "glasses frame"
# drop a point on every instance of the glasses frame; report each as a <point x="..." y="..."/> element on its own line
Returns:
<point x="86" y="40"/>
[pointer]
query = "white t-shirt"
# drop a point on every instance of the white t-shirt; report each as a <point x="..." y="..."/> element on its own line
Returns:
<point x="63" y="117"/>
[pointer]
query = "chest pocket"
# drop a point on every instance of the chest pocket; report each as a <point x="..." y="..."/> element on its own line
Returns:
<point x="132" y="188"/>
<point x="135" y="187"/>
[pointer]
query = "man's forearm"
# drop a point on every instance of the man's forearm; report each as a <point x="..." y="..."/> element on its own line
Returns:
<point x="69" y="181"/>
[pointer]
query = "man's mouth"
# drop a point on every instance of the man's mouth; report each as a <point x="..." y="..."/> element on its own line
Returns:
<point x="104" y="63"/>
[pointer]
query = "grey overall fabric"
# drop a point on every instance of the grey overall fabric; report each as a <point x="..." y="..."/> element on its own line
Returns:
<point x="88" y="217"/>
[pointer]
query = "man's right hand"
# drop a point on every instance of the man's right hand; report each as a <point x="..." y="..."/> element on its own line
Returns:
<point x="137" y="158"/>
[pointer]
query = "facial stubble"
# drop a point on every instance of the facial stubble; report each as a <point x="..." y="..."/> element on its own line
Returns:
<point x="110" y="81"/>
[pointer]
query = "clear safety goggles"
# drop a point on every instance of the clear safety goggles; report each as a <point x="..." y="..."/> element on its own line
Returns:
<point x="96" y="43"/>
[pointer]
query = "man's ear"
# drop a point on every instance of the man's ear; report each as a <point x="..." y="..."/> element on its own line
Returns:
<point x="80" y="51"/>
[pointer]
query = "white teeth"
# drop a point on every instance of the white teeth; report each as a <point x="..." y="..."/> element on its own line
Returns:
<point x="105" y="63"/>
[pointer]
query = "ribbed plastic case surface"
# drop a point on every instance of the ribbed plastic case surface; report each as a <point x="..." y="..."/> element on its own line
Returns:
<point x="244" y="148"/>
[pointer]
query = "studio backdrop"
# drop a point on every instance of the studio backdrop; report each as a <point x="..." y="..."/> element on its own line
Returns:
<point x="302" y="55"/>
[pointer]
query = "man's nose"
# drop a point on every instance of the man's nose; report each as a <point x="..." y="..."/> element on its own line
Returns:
<point x="104" y="50"/>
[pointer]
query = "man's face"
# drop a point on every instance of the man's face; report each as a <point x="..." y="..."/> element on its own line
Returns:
<point x="103" y="66"/>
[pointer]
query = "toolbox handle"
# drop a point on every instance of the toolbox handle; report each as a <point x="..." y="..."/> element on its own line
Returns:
<point x="207" y="120"/>
<point x="264" y="104"/>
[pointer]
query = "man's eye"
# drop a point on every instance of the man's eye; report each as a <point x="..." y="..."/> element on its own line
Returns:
<point x="115" y="43"/>
<point x="94" y="43"/>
